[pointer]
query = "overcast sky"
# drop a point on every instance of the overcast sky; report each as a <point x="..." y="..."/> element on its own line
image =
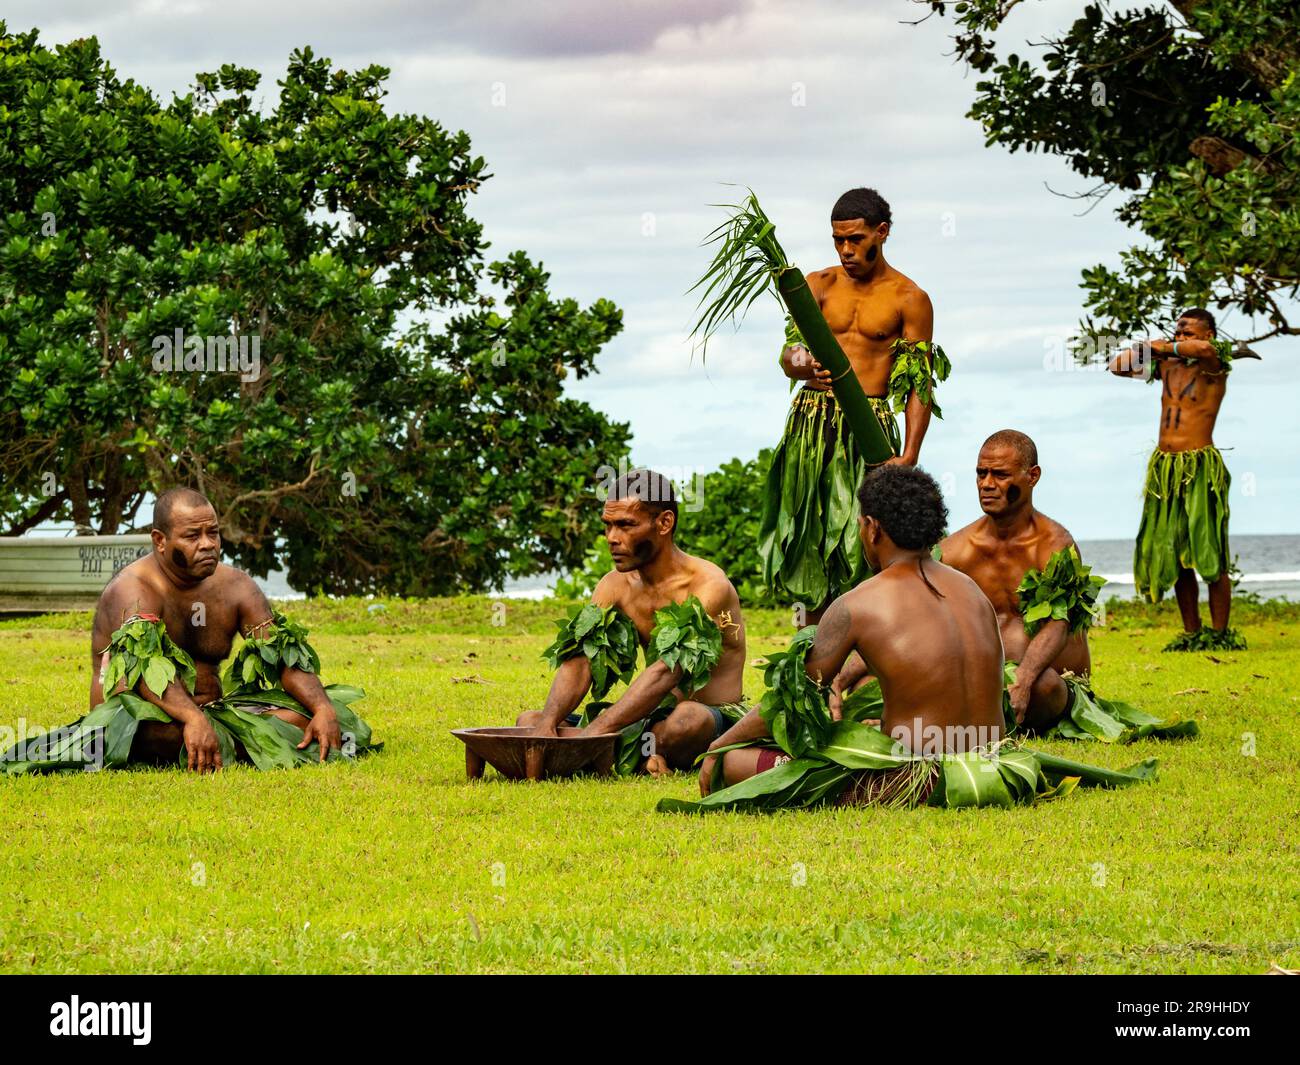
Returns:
<point x="610" y="127"/>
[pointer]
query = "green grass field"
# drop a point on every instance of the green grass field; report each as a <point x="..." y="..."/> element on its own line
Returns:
<point x="396" y="864"/>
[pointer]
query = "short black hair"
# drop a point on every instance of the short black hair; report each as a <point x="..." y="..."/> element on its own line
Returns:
<point x="1204" y="315"/>
<point x="866" y="204"/>
<point x="1014" y="438"/>
<point x="907" y="502"/>
<point x="652" y="490"/>
<point x="170" y="499"/>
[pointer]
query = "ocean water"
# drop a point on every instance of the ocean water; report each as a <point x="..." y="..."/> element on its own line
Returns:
<point x="1270" y="567"/>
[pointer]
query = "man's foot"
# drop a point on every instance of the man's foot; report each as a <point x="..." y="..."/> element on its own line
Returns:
<point x="1208" y="639"/>
<point x="657" y="765"/>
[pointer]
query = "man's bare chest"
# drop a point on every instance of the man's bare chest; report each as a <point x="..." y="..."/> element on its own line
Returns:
<point x="870" y="318"/>
<point x="206" y="633"/>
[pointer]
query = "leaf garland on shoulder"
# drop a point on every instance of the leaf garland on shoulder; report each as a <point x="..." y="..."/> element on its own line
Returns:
<point x="141" y="650"/>
<point x="608" y="639"/>
<point x="918" y="366"/>
<point x="258" y="663"/>
<point x="1223" y="348"/>
<point x="686" y="638"/>
<point x="1063" y="590"/>
<point x="793" y="706"/>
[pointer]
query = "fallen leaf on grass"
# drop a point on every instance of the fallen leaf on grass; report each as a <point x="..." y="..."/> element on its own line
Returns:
<point x="1194" y="691"/>
<point x="1259" y="676"/>
<point x="473" y="678"/>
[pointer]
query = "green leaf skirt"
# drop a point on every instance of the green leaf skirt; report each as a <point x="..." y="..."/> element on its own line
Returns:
<point x="102" y="739"/>
<point x="859" y="765"/>
<point x="1184" y="520"/>
<point x="808" y="538"/>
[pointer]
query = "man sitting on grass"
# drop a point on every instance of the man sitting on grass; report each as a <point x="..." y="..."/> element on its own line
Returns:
<point x="162" y="628"/>
<point x="931" y="639"/>
<point x="1029" y="567"/>
<point x="685" y="613"/>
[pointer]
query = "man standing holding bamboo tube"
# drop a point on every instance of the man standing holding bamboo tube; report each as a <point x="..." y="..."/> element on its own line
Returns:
<point x="884" y="323"/>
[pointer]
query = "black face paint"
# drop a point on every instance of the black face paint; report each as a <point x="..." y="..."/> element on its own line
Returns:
<point x="872" y="252"/>
<point x="178" y="559"/>
<point x="1013" y="493"/>
<point x="643" y="550"/>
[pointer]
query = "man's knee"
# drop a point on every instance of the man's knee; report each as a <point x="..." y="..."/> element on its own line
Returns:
<point x="1047" y="700"/>
<point x="686" y="731"/>
<point x="528" y="719"/>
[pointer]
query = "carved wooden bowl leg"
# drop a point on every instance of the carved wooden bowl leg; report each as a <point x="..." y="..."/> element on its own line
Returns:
<point x="473" y="765"/>
<point x="604" y="765"/>
<point x="533" y="759"/>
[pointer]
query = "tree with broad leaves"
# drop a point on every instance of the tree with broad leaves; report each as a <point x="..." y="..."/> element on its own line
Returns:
<point x="1192" y="108"/>
<point x="370" y="449"/>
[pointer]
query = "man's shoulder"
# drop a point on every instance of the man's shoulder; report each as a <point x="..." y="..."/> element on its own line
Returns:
<point x="710" y="581"/>
<point x="907" y="289"/>
<point x="1055" y="537"/>
<point x="955" y="545"/>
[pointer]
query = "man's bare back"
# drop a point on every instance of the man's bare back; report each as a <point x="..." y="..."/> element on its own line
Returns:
<point x="938" y="660"/>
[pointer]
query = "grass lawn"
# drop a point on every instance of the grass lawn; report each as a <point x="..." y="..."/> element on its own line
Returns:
<point x="397" y="864"/>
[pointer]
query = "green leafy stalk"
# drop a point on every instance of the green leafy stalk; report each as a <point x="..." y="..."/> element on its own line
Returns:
<point x="918" y="366"/>
<point x="608" y="639"/>
<point x="686" y="638"/>
<point x="1063" y="590"/>
<point x="141" y="650"/>
<point x="257" y="664"/>
<point x="750" y="261"/>
<point x="793" y="706"/>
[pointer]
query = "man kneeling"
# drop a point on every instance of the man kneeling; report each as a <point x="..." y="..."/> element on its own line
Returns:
<point x="685" y="613"/>
<point x="162" y="628"/>
<point x="924" y="630"/>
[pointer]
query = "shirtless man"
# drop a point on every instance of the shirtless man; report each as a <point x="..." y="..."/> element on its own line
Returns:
<point x="996" y="551"/>
<point x="203" y="604"/>
<point x="869" y="306"/>
<point x="651" y="572"/>
<point x="925" y="631"/>
<point x="1184" y="529"/>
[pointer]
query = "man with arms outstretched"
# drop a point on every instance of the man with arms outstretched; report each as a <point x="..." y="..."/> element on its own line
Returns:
<point x="884" y="322"/>
<point x="1184" y="528"/>
<point x="682" y="714"/>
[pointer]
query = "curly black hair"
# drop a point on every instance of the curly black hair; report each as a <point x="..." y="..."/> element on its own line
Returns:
<point x="866" y="204"/>
<point x="907" y="502"/>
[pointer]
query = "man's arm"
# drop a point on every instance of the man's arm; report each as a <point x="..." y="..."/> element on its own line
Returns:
<point x="1131" y="362"/>
<point x="572" y="680"/>
<point x="833" y="645"/>
<point x="749" y="728"/>
<point x="254" y="616"/>
<point x="797" y="362"/>
<point x="122" y="599"/>
<point x="1047" y="643"/>
<point x="1203" y="351"/>
<point x="918" y="324"/>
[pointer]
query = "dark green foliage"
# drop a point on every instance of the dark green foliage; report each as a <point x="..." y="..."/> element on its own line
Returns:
<point x="606" y="636"/>
<point x="1192" y="107"/>
<point x="371" y="450"/>
<point x="141" y="650"/>
<point x="1207" y="639"/>
<point x="724" y="530"/>
<point x="1063" y="590"/>
<point x="257" y="665"/>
